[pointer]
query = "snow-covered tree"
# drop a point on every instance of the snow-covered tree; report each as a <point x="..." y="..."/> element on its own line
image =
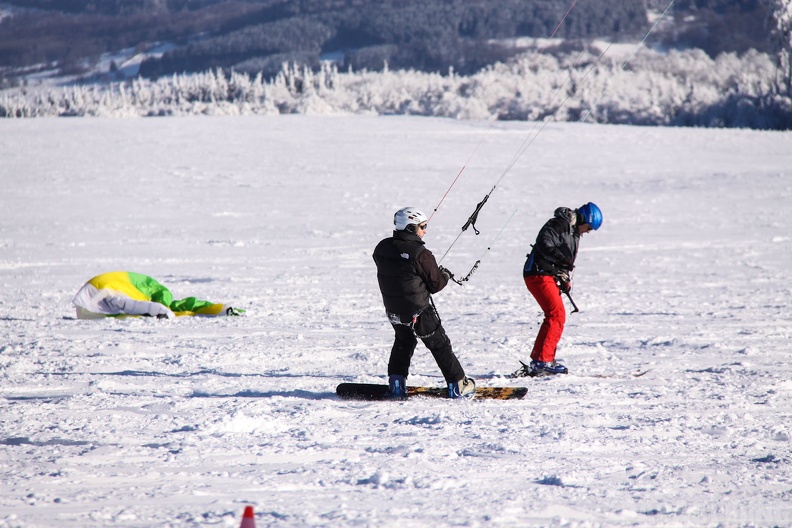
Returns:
<point x="680" y="88"/>
<point x="782" y="16"/>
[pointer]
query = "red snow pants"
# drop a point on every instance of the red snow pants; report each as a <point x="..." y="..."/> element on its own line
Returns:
<point x="546" y="293"/>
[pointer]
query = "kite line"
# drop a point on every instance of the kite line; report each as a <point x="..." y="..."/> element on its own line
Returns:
<point x="534" y="133"/>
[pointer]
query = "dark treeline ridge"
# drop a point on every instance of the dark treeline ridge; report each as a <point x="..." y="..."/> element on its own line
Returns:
<point x="425" y="35"/>
<point x="71" y="34"/>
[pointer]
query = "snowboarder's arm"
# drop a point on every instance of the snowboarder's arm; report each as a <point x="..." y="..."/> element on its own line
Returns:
<point x="429" y="271"/>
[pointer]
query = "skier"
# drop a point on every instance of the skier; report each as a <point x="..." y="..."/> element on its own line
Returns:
<point x="408" y="275"/>
<point x="548" y="274"/>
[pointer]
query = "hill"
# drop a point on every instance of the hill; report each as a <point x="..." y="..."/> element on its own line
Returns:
<point x="153" y="38"/>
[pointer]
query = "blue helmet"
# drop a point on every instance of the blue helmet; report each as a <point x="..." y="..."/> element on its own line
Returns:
<point x="591" y="214"/>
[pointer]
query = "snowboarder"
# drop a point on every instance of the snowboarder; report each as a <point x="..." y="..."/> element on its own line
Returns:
<point x="548" y="274"/>
<point x="408" y="275"/>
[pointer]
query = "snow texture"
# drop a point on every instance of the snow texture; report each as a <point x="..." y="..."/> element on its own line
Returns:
<point x="140" y="422"/>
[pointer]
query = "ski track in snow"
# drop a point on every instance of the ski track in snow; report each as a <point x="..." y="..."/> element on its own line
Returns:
<point x="140" y="422"/>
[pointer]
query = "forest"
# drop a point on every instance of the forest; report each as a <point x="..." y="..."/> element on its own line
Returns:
<point x="715" y="63"/>
<point x="258" y="36"/>
<point x="678" y="88"/>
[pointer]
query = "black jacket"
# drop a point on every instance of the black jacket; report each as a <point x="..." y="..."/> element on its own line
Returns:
<point x="556" y="245"/>
<point x="407" y="273"/>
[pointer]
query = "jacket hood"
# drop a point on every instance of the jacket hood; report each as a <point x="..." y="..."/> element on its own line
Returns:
<point x="567" y="215"/>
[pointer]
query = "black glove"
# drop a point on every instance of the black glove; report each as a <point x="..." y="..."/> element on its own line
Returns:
<point x="564" y="282"/>
<point x="448" y="275"/>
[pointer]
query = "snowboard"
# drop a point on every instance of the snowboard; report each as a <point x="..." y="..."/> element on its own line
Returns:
<point x="373" y="391"/>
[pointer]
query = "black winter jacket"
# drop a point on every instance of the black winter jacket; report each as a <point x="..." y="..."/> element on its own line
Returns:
<point x="407" y="273"/>
<point x="556" y="245"/>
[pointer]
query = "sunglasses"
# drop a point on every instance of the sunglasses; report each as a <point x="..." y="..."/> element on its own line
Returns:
<point x="422" y="227"/>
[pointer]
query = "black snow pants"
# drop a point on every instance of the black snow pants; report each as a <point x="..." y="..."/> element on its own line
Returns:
<point x="429" y="329"/>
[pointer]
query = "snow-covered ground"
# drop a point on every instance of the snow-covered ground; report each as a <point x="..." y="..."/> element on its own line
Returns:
<point x="150" y="423"/>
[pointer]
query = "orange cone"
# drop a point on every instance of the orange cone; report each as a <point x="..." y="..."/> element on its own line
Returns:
<point x="248" y="519"/>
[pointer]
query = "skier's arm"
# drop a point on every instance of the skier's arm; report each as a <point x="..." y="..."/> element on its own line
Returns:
<point x="429" y="271"/>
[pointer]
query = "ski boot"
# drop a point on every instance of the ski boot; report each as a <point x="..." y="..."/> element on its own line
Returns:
<point x="542" y="368"/>
<point x="538" y="368"/>
<point x="397" y="387"/>
<point x="464" y="388"/>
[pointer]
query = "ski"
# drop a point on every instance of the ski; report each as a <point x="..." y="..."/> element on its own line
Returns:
<point x="636" y="374"/>
<point x="373" y="391"/>
<point x="524" y="372"/>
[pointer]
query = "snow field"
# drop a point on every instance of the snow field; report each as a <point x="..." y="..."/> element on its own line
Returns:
<point x="139" y="422"/>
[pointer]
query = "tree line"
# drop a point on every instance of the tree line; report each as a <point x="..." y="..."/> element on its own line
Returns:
<point x="685" y="88"/>
<point x="426" y="35"/>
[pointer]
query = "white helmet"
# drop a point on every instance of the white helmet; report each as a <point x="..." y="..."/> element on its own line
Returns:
<point x="408" y="216"/>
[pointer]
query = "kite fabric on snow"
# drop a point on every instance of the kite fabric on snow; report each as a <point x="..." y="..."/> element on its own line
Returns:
<point x="127" y="293"/>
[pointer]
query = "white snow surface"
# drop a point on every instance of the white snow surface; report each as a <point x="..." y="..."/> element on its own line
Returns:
<point x="141" y="422"/>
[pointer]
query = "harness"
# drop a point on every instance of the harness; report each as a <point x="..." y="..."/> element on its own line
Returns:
<point x="397" y="319"/>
